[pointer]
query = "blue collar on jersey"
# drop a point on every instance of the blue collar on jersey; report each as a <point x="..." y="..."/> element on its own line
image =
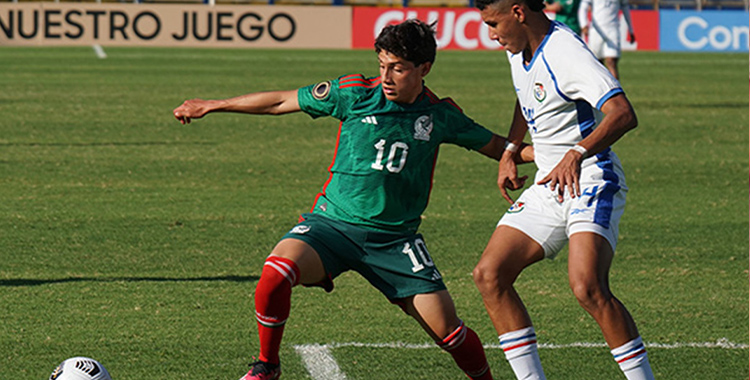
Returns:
<point x="552" y="25"/>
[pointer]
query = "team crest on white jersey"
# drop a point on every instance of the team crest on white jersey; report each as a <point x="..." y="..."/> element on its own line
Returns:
<point x="423" y="128"/>
<point x="539" y="92"/>
<point x="300" y="230"/>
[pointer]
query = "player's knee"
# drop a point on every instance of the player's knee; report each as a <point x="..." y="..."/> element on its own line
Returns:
<point x="487" y="277"/>
<point x="589" y="294"/>
<point x="278" y="274"/>
<point x="480" y="275"/>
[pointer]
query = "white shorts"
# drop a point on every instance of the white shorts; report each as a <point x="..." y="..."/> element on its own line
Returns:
<point x="539" y="215"/>
<point x="604" y="42"/>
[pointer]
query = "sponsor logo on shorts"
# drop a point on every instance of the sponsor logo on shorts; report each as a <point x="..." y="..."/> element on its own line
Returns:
<point x="516" y="208"/>
<point x="300" y="230"/>
<point x="577" y="211"/>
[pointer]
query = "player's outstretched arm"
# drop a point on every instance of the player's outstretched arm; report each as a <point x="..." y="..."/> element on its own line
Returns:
<point x="619" y="118"/>
<point x="258" y="103"/>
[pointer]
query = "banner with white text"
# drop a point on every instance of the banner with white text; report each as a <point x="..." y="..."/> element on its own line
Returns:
<point x="462" y="28"/>
<point x="457" y="28"/>
<point x="717" y="31"/>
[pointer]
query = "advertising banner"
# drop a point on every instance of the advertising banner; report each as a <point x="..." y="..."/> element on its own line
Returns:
<point x="457" y="28"/>
<point x="462" y="28"/>
<point x="717" y="31"/>
<point x="174" y="25"/>
<point x="646" y="27"/>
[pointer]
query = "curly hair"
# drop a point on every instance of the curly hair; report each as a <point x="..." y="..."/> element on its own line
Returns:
<point x="412" y="40"/>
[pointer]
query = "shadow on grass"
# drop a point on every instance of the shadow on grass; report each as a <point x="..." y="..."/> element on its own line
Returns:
<point x="36" y="282"/>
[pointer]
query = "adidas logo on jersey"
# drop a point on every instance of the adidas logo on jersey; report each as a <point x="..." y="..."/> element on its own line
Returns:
<point x="370" y="120"/>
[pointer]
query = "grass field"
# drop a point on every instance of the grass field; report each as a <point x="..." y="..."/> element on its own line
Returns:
<point x="132" y="239"/>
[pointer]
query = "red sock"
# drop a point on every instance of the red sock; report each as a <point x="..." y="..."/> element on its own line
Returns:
<point x="272" y="303"/>
<point x="464" y="346"/>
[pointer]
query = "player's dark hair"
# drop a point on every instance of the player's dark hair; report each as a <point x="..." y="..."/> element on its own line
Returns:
<point x="534" y="5"/>
<point x="412" y="40"/>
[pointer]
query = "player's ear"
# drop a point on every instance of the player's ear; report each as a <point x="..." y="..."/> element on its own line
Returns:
<point x="425" y="68"/>
<point x="518" y="12"/>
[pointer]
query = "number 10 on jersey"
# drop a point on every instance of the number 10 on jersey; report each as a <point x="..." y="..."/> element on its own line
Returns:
<point x="393" y="164"/>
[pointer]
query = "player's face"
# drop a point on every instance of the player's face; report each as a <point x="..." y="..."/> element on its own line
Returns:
<point x="401" y="79"/>
<point x="505" y="27"/>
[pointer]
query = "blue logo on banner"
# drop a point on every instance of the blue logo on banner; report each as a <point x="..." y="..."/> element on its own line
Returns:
<point x="724" y="31"/>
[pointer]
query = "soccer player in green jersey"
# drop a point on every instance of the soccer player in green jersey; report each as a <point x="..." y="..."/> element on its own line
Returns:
<point x="366" y="216"/>
<point x="566" y="11"/>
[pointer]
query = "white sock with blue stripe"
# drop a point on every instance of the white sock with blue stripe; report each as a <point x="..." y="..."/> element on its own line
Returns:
<point x="633" y="360"/>
<point x="521" y="352"/>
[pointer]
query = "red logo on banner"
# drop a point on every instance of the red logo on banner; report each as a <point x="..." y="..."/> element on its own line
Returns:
<point x="462" y="28"/>
<point x="457" y="28"/>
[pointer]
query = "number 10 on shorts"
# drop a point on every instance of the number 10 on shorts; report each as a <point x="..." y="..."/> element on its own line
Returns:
<point x="421" y="248"/>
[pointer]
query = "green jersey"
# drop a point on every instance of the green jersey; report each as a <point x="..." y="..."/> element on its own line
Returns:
<point x="381" y="174"/>
<point x="568" y="15"/>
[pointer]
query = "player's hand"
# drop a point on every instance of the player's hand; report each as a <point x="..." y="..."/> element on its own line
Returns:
<point x="585" y="31"/>
<point x="566" y="174"/>
<point x="191" y="109"/>
<point x="631" y="38"/>
<point x="507" y="177"/>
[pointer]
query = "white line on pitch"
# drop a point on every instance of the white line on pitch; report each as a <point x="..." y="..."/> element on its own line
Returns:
<point x="322" y="365"/>
<point x="721" y="343"/>
<point x="99" y="51"/>
<point x="319" y="362"/>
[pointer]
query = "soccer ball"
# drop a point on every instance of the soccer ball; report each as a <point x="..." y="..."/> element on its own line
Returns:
<point x="80" y="368"/>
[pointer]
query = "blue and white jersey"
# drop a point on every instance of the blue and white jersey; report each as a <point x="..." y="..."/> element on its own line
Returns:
<point x="561" y="92"/>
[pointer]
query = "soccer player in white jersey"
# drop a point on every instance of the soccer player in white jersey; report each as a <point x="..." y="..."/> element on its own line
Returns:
<point x="574" y="111"/>
<point x="604" y="29"/>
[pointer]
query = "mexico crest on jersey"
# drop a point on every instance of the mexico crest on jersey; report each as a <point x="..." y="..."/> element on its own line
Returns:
<point x="539" y="92"/>
<point x="423" y="128"/>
